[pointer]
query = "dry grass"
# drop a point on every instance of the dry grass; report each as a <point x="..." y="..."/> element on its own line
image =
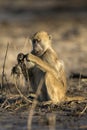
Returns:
<point x="20" y="101"/>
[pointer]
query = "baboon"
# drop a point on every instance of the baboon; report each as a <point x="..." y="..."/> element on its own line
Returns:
<point x="47" y="65"/>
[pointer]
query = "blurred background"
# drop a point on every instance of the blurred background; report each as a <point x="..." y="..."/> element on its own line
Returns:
<point x="65" y="20"/>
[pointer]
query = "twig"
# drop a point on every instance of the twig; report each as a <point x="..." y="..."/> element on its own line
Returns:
<point x="4" y="103"/>
<point x="25" y="43"/>
<point x="18" y="108"/>
<point x="3" y="72"/>
<point x="83" y="110"/>
<point x="29" y="101"/>
<point x="31" y="111"/>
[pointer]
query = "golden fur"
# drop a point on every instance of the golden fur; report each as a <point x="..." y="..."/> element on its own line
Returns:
<point x="49" y="67"/>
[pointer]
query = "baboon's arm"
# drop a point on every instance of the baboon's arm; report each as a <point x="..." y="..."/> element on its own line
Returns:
<point x="42" y="64"/>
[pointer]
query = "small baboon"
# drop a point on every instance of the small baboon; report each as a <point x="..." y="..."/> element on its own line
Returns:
<point x="47" y="65"/>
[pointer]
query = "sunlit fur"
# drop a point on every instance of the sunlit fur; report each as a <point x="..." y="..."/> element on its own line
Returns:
<point x="49" y="67"/>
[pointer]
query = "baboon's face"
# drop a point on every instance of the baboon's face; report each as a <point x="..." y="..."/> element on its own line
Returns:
<point x="41" y="42"/>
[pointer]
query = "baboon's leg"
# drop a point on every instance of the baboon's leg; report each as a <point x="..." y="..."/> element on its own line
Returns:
<point x="57" y="91"/>
<point x="55" y="88"/>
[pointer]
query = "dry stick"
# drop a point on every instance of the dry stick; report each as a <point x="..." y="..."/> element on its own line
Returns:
<point x="31" y="112"/>
<point x="16" y="109"/>
<point x="3" y="72"/>
<point x="24" y="44"/>
<point x="4" y="103"/>
<point x="83" y="110"/>
<point x="22" y="94"/>
<point x="80" y="80"/>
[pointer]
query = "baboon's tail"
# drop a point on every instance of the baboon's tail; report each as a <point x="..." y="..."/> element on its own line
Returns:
<point x="75" y="98"/>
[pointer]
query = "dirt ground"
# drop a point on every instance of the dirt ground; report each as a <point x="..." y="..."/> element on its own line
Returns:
<point x="69" y="33"/>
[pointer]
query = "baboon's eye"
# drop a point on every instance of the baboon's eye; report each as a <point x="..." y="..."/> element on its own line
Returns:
<point x="36" y="41"/>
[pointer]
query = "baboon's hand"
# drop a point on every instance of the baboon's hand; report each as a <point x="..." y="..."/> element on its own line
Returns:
<point x="20" y="57"/>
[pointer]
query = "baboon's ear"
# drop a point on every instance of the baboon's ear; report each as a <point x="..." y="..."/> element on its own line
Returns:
<point x="50" y="37"/>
